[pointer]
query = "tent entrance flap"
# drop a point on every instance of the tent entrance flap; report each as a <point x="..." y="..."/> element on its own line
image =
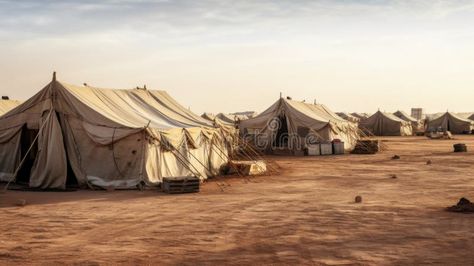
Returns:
<point x="282" y="136"/>
<point x="27" y="139"/>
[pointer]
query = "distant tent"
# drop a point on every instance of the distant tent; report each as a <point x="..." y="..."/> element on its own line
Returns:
<point x="450" y="122"/>
<point x="208" y="116"/>
<point x="416" y="124"/>
<point x="7" y="105"/>
<point x="360" y="115"/>
<point x="226" y="118"/>
<point x="245" y="115"/>
<point x="348" y="117"/>
<point x="106" y="138"/>
<point x="386" y="124"/>
<point x="292" y="125"/>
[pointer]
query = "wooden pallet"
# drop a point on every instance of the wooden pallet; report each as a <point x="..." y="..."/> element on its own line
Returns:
<point x="177" y="185"/>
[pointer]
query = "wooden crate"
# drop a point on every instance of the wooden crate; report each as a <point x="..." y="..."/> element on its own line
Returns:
<point x="174" y="185"/>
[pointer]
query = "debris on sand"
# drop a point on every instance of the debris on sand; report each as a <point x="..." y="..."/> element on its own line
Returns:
<point x="440" y="135"/>
<point x="366" y="147"/>
<point x="358" y="199"/>
<point x="460" y="147"/>
<point x="429" y="162"/>
<point x="395" y="157"/>
<point x="464" y="205"/>
<point x="393" y="176"/>
<point x="20" y="203"/>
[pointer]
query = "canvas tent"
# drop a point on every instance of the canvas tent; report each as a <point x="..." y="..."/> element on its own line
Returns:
<point x="208" y="116"/>
<point x="245" y="115"/>
<point x="226" y="118"/>
<point x="348" y="117"/>
<point x="7" y="105"/>
<point x="292" y="125"/>
<point x="385" y="124"/>
<point x="450" y="122"/>
<point x="360" y="115"/>
<point x="106" y="138"/>
<point x="416" y="125"/>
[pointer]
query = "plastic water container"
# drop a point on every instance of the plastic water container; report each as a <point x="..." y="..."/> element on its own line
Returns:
<point x="313" y="150"/>
<point x="338" y="147"/>
<point x="326" y="148"/>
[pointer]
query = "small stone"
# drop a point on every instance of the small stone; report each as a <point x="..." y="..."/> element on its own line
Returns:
<point x="396" y="157"/>
<point x="429" y="162"/>
<point x="21" y="203"/>
<point x="393" y="176"/>
<point x="358" y="199"/>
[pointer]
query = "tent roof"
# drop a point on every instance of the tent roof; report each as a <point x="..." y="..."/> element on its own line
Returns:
<point x="453" y="115"/>
<point x="388" y="116"/>
<point x="137" y="107"/>
<point x="404" y="116"/>
<point x="318" y="112"/>
<point x="347" y="116"/>
<point x="132" y="108"/>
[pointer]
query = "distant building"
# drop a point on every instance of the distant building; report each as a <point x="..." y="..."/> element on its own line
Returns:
<point x="417" y="113"/>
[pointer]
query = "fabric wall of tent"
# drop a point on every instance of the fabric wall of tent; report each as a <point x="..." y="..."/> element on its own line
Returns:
<point x="348" y="117"/>
<point x="450" y="122"/>
<point x="416" y="124"/>
<point x="385" y="124"/>
<point x="106" y="138"/>
<point x="292" y="125"/>
<point x="7" y="105"/>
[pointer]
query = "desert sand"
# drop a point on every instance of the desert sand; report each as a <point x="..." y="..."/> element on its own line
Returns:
<point x="304" y="215"/>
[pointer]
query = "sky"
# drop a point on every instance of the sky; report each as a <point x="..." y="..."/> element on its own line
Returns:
<point x="228" y="56"/>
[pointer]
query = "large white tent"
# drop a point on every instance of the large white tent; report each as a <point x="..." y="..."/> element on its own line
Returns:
<point x="106" y="138"/>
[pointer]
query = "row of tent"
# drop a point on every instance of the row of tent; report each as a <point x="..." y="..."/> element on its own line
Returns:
<point x="402" y="124"/>
<point x="119" y="138"/>
<point x="295" y="125"/>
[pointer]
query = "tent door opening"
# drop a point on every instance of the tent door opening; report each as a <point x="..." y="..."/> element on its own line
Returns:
<point x="281" y="138"/>
<point x="26" y="139"/>
<point x="71" y="180"/>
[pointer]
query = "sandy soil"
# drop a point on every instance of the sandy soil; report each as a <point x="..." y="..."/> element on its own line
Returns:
<point x="305" y="215"/>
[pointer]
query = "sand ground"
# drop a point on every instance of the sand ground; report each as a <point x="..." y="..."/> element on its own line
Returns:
<point x="305" y="215"/>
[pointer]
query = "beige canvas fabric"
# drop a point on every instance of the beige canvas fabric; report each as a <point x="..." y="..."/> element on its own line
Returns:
<point x="208" y="116"/>
<point x="348" y="117"/>
<point x="305" y="122"/>
<point x="385" y="124"/>
<point x="110" y="137"/>
<point x="7" y="105"/>
<point x="451" y="122"/>
<point x="361" y="116"/>
<point x="226" y="118"/>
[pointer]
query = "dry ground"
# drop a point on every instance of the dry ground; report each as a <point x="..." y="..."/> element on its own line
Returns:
<point x="306" y="215"/>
